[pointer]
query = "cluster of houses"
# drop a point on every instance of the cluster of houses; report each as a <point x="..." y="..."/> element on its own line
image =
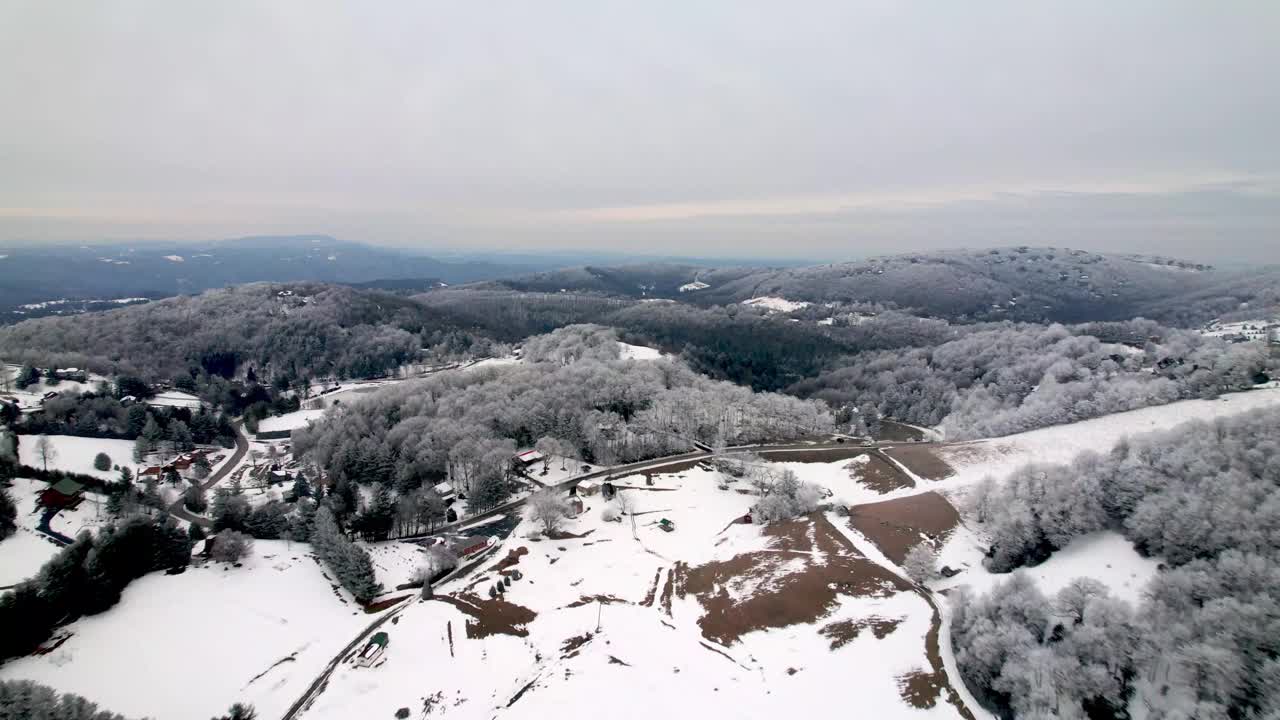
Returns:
<point x="181" y="465"/>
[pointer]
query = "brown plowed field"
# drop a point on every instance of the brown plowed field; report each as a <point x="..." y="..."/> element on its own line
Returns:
<point x="786" y="595"/>
<point x="895" y="526"/>
<point x="921" y="460"/>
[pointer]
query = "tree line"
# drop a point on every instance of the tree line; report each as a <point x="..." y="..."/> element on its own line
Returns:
<point x="1205" y="498"/>
<point x="992" y="381"/>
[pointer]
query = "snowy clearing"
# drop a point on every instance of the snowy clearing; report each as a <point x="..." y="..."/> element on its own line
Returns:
<point x="264" y="631"/>
<point x="1061" y="443"/>
<point x="175" y="398"/>
<point x="75" y="454"/>
<point x="638" y="352"/>
<point x="1104" y="556"/>
<point x="776" y="304"/>
<point x="289" y="421"/>
<point x="22" y="554"/>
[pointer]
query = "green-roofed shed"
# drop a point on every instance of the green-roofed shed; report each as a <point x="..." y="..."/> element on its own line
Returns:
<point x="65" y="493"/>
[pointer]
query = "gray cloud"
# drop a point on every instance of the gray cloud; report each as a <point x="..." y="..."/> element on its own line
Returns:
<point x="827" y="129"/>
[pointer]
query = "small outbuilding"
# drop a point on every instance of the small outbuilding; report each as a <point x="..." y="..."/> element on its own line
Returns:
<point x="576" y="506"/>
<point x="588" y="487"/>
<point x="65" y="493"/>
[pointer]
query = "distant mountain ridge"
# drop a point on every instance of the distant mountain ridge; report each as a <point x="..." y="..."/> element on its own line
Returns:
<point x="1038" y="284"/>
<point x="37" y="274"/>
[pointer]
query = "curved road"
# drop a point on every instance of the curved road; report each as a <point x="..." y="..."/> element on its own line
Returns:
<point x="633" y="468"/>
<point x="242" y="447"/>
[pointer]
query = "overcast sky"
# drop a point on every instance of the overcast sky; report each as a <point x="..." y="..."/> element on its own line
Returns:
<point x="818" y="129"/>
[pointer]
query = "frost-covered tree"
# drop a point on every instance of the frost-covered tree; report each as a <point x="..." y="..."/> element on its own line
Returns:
<point x="921" y="562"/>
<point x="230" y="546"/>
<point x="8" y="514"/>
<point x="45" y="451"/>
<point x="26" y="699"/>
<point x="547" y="509"/>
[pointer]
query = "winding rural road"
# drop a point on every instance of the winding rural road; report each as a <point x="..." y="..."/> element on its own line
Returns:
<point x="636" y="467"/>
<point x="242" y="446"/>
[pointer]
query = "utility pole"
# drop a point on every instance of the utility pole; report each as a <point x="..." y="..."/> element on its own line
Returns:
<point x="599" y="613"/>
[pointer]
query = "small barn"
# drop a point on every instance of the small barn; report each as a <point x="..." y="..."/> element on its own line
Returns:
<point x="66" y="493"/>
<point x="445" y="491"/>
<point x="528" y="457"/>
<point x="588" y="487"/>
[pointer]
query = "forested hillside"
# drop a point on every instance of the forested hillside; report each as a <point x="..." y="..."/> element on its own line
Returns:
<point x="1038" y="284"/>
<point x="1005" y="379"/>
<point x="466" y="426"/>
<point x="1204" y="642"/>
<point x="281" y="331"/>
<point x="36" y="274"/>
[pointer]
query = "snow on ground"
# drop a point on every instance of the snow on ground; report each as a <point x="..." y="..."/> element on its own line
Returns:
<point x="558" y="471"/>
<point x="1104" y="556"/>
<point x="694" y="286"/>
<point x="593" y="629"/>
<point x="394" y="562"/>
<point x="1061" y="443"/>
<point x="289" y="421"/>
<point x="1260" y="329"/>
<point x="776" y="304"/>
<point x="174" y="398"/>
<point x="187" y="646"/>
<point x="494" y="362"/>
<point x="90" y="514"/>
<point x="22" y="553"/>
<point x="31" y="396"/>
<point x="75" y="454"/>
<point x="638" y="352"/>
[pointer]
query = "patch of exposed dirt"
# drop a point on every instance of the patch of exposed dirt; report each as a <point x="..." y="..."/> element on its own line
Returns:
<point x="876" y="473"/>
<point x="562" y="535"/>
<point x="783" y="594"/>
<point x="894" y="431"/>
<point x="569" y="648"/>
<point x="895" y="526"/>
<point x="653" y="589"/>
<point x="921" y="460"/>
<point x="615" y="661"/>
<point x="589" y="599"/>
<point x="377" y="607"/>
<point x="920" y="689"/>
<point x="846" y="631"/>
<point x="668" y="589"/>
<point x="816" y="455"/>
<point x="512" y="559"/>
<point x="491" y="617"/>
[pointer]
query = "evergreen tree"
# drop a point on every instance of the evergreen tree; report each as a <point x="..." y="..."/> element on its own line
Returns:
<point x="102" y="461"/>
<point x="8" y="514"/>
<point x="141" y="448"/>
<point x="230" y="510"/>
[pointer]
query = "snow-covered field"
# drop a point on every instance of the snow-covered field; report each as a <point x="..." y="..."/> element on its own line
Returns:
<point x="1061" y="443"/>
<point x="22" y="553"/>
<point x="31" y="396"/>
<point x="1104" y="556"/>
<point x="75" y="454"/>
<point x="776" y="304"/>
<point x="638" y="352"/>
<point x="289" y="421"/>
<point x="603" y="623"/>
<point x="189" y="645"/>
<point x="175" y="398"/>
